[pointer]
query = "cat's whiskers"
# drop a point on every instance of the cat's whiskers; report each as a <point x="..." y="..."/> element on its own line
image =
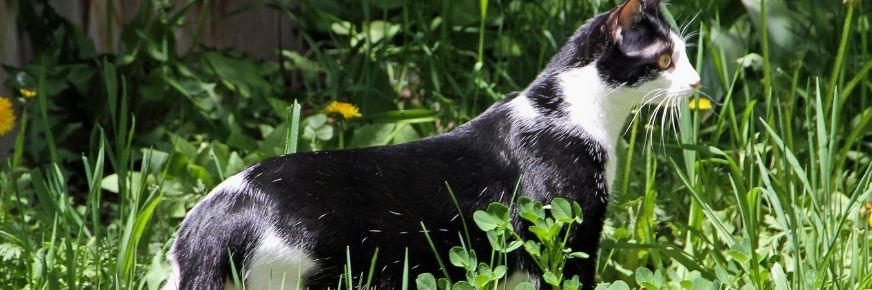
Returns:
<point x="653" y="118"/>
<point x="676" y="124"/>
<point x="651" y="95"/>
<point x="667" y="98"/>
<point x="638" y="108"/>
<point x="701" y="92"/>
<point x="673" y="113"/>
<point x="686" y="26"/>
<point x="649" y="127"/>
<point x="676" y="116"/>
<point x="649" y="124"/>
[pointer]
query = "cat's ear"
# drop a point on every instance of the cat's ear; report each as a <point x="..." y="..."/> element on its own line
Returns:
<point x="629" y="13"/>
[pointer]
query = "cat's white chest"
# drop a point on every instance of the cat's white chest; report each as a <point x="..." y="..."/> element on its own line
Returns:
<point x="601" y="125"/>
<point x="597" y="109"/>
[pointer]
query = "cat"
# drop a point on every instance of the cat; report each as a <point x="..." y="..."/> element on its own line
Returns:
<point x="297" y="216"/>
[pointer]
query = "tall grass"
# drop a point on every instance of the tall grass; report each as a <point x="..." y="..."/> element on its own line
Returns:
<point x="766" y="190"/>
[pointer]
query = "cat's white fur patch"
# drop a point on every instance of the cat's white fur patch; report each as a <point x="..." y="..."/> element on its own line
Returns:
<point x="522" y="108"/>
<point x="598" y="109"/>
<point x="275" y="264"/>
<point x="173" y="281"/>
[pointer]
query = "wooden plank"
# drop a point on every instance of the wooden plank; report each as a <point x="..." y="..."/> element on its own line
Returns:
<point x="102" y="26"/>
<point x="9" y="54"/>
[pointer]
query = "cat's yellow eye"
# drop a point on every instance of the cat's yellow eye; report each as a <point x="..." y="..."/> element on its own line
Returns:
<point x="665" y="61"/>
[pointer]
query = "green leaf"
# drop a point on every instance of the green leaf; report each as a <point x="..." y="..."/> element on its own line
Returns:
<point x="739" y="252"/>
<point x="484" y="269"/>
<point x="310" y="69"/>
<point x="499" y="210"/>
<point x="461" y="258"/>
<point x="514" y="245"/>
<point x="10" y="251"/>
<point x="579" y="215"/>
<point x="241" y="75"/>
<point x="157" y="159"/>
<point x="646" y="279"/>
<point x="553" y="228"/>
<point x="341" y="27"/>
<point x="462" y="285"/>
<point x="525" y="286"/>
<point x="571" y="284"/>
<point x="378" y="30"/>
<point x="579" y="255"/>
<point x="530" y="210"/>
<point x="486" y="221"/>
<point x="110" y="183"/>
<point x="481" y="280"/>
<point x="373" y="135"/>
<point x="551" y="279"/>
<point x="316" y="128"/>
<point x="540" y="232"/>
<point x="533" y="248"/>
<point x="499" y="272"/>
<point x="701" y="283"/>
<point x="617" y="285"/>
<point x="316" y="120"/>
<point x="779" y="278"/>
<point x="324" y="133"/>
<point x="234" y="164"/>
<point x="426" y="281"/>
<point x="562" y="210"/>
<point x="444" y="284"/>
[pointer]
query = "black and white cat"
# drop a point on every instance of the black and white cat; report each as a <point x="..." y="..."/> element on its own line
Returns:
<point x="293" y="216"/>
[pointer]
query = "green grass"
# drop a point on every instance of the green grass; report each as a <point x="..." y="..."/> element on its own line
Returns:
<point x="764" y="191"/>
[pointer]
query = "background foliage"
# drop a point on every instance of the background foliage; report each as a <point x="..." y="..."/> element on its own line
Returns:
<point x="766" y="190"/>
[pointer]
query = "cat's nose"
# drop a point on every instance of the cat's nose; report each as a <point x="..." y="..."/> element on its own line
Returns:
<point x="695" y="85"/>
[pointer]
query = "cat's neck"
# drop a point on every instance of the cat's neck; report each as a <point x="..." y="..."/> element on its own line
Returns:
<point x="589" y="107"/>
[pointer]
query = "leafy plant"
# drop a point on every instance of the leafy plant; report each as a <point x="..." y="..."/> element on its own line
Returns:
<point x="550" y="225"/>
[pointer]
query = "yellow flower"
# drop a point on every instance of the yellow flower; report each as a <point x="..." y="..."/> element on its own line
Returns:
<point x="347" y="110"/>
<point x="702" y="104"/>
<point x="7" y="116"/>
<point x="868" y="211"/>
<point x="870" y="220"/>
<point x="27" y="93"/>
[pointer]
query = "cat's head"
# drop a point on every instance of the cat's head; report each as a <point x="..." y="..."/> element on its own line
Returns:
<point x="629" y="54"/>
<point x="646" y="56"/>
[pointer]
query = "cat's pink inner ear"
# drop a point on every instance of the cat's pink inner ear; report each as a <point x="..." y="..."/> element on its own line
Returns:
<point x="629" y="14"/>
<point x="624" y="17"/>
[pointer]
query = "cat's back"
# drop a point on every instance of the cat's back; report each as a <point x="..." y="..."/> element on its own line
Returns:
<point x="459" y="158"/>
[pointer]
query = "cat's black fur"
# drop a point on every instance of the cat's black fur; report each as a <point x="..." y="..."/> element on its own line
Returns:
<point x="378" y="197"/>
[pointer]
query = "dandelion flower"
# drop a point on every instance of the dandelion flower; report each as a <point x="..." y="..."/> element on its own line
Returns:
<point x="347" y="110"/>
<point x="27" y="93"/>
<point x="701" y="104"/>
<point x="870" y="220"/>
<point x="7" y="116"/>
<point x="868" y="211"/>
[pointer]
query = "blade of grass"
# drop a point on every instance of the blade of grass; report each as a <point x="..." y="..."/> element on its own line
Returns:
<point x="293" y="132"/>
